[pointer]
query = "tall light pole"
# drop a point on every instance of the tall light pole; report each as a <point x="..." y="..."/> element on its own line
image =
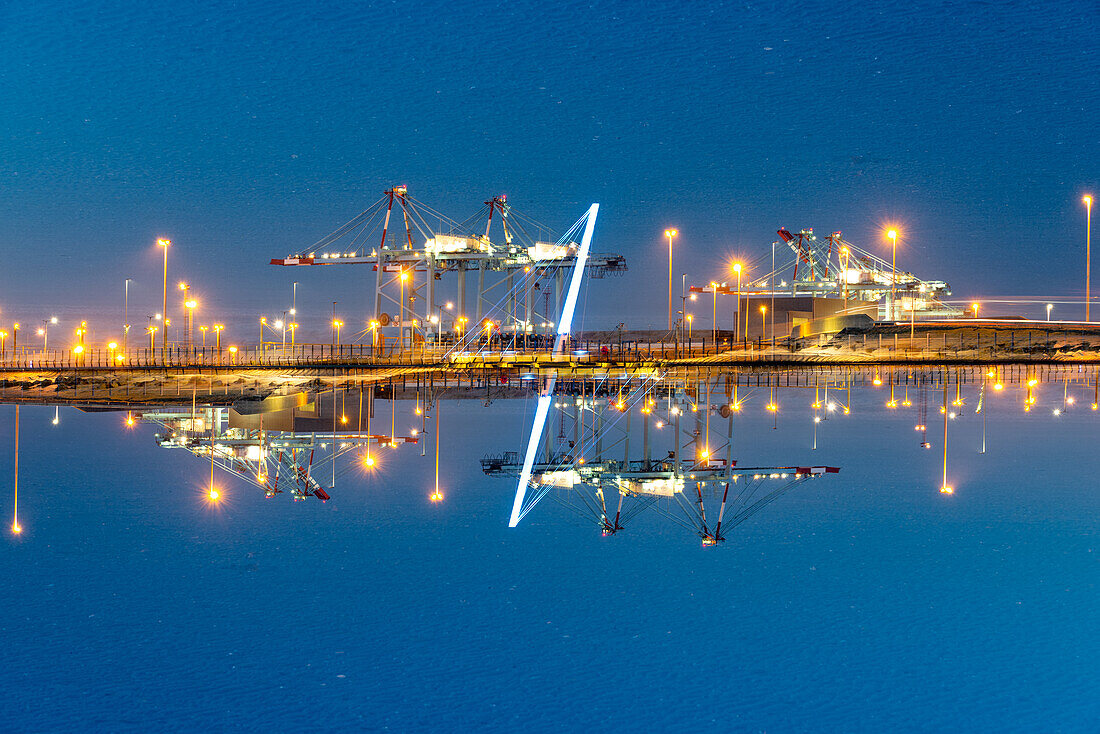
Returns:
<point x="670" y="233"/>
<point x="218" y="336"/>
<point x="1088" y="251"/>
<point x="190" y="304"/>
<point x="737" y="318"/>
<point x="44" y="332"/>
<point x="126" y="316"/>
<point x="186" y="288"/>
<point x="714" y="315"/>
<point x="1049" y="306"/>
<point x="401" y="312"/>
<point x="294" y="300"/>
<point x="893" y="235"/>
<point x="164" y="307"/>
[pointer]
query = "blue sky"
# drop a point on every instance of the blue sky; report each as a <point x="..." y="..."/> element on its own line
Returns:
<point x="248" y="131"/>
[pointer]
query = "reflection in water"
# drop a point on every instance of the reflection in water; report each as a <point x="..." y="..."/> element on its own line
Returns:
<point x="615" y="445"/>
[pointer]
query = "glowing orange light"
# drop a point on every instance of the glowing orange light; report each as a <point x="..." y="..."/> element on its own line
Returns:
<point x="213" y="494"/>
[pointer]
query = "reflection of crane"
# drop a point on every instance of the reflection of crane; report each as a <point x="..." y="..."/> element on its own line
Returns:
<point x="692" y="485"/>
<point x="276" y="461"/>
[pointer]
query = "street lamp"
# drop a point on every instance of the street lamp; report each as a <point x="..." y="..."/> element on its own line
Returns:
<point x="763" y="322"/>
<point x="974" y="307"/>
<point x="186" y="288"/>
<point x="218" y="336"/>
<point x="373" y="334"/>
<point x="164" y="307"/>
<point x="126" y="315"/>
<point x="714" y="314"/>
<point x="439" y="319"/>
<point x="263" y="323"/>
<point x="3" y="339"/>
<point x="190" y="305"/>
<point x="893" y="235"/>
<point x="401" y="311"/>
<point x="336" y="324"/>
<point x="152" y="333"/>
<point x="1049" y="307"/>
<point x="44" y="332"/>
<point x="1088" y="250"/>
<point x="737" y="317"/>
<point x="203" y="330"/>
<point x="670" y="233"/>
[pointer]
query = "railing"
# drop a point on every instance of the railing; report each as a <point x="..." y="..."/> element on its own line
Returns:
<point x="873" y="347"/>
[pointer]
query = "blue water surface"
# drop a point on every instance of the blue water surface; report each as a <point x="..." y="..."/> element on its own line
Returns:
<point x="865" y="601"/>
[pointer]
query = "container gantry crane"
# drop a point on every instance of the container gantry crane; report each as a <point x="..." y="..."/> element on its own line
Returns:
<point x="428" y="244"/>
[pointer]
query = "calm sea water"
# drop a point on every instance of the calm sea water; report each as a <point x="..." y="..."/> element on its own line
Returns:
<point x="867" y="602"/>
